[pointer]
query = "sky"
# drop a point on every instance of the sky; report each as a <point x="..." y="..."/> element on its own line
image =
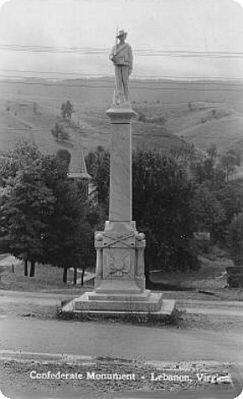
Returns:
<point x="170" y="38"/>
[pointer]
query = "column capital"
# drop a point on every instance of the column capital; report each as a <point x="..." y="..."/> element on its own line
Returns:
<point x="121" y="114"/>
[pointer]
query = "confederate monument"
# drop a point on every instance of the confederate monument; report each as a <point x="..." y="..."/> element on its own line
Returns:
<point x="120" y="281"/>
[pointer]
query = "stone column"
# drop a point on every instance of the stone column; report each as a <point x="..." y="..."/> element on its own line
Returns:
<point x="117" y="268"/>
<point x="120" y="207"/>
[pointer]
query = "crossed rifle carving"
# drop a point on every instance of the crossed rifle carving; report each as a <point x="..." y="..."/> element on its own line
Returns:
<point x="118" y="239"/>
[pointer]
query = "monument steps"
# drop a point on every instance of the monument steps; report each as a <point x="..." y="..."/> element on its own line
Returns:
<point x="167" y="308"/>
<point x="142" y="296"/>
<point x="151" y="304"/>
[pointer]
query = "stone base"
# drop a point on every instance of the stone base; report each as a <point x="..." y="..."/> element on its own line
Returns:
<point x="166" y="309"/>
<point x="119" y="296"/>
<point x="114" y="302"/>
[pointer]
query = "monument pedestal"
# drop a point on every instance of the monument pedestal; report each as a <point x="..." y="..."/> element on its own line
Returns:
<point x="120" y="279"/>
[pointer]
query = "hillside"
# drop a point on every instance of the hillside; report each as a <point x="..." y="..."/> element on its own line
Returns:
<point x="169" y="113"/>
<point x="18" y="119"/>
<point x="226" y="133"/>
<point x="202" y="124"/>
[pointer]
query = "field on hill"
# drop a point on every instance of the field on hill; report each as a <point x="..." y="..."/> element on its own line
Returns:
<point x="199" y="123"/>
<point x="170" y="113"/>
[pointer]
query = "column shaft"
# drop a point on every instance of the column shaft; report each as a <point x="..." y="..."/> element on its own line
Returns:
<point x="120" y="208"/>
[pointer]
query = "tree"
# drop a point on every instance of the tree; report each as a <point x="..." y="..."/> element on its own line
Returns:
<point x="24" y="154"/>
<point x="42" y="212"/>
<point x="208" y="213"/>
<point x="64" y="156"/>
<point x="230" y="197"/>
<point x="98" y="166"/>
<point x="67" y="110"/>
<point x="59" y="133"/>
<point x="68" y="242"/>
<point x="206" y="169"/>
<point x="25" y="209"/>
<point x="173" y="196"/>
<point x="235" y="239"/>
<point x="217" y="197"/>
<point x="228" y="162"/>
<point x="162" y="195"/>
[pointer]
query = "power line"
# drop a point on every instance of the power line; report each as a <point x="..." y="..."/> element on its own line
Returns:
<point x="29" y="129"/>
<point x="102" y="76"/>
<point x="138" y="52"/>
<point x="52" y="49"/>
<point x="51" y="72"/>
<point x="139" y="87"/>
<point x="110" y="78"/>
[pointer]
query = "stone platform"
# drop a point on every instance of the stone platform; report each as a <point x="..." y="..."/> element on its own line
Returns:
<point x="146" y="303"/>
<point x="154" y="306"/>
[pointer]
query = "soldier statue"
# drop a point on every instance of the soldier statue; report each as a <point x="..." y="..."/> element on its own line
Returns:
<point x="122" y="58"/>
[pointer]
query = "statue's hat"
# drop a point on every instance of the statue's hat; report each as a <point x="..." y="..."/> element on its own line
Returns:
<point x="121" y="33"/>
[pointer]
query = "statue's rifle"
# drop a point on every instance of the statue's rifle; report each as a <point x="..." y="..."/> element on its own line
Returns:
<point x="116" y="41"/>
<point x="115" y="53"/>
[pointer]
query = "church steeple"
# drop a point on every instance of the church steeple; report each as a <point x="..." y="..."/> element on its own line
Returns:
<point x="77" y="167"/>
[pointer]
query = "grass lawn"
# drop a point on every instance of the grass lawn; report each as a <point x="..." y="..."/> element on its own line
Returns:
<point x="207" y="283"/>
<point x="46" y="278"/>
<point x="210" y="276"/>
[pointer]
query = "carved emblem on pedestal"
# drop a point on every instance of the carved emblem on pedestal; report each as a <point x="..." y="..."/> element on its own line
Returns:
<point x="120" y="256"/>
<point x="119" y="240"/>
<point x="117" y="264"/>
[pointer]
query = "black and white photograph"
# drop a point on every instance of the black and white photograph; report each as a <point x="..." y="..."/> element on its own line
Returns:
<point x="121" y="199"/>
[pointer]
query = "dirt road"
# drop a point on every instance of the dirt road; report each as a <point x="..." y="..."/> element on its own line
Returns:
<point x="26" y="337"/>
<point x="114" y="339"/>
<point x="118" y="340"/>
<point x="230" y="308"/>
